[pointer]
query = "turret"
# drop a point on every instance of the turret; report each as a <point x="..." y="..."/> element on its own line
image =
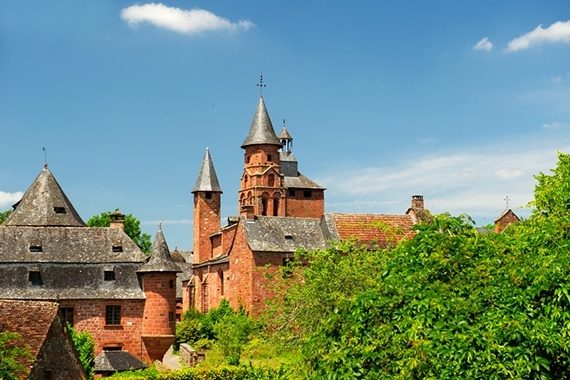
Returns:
<point x="207" y="205"/>
<point x="158" y="277"/>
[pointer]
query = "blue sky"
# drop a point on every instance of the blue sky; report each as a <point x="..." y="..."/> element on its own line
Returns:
<point x="462" y="102"/>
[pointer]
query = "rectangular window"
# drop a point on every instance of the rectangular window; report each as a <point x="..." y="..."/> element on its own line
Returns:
<point x="35" y="278"/>
<point x="36" y="248"/>
<point x="67" y="315"/>
<point x="171" y="284"/>
<point x="208" y="195"/>
<point x="109" y="275"/>
<point x="117" y="248"/>
<point x="307" y="194"/>
<point x="292" y="193"/>
<point x="112" y="315"/>
<point x="59" y="210"/>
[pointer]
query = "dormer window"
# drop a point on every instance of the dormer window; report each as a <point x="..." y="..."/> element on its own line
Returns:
<point x="35" y="278"/>
<point x="288" y="237"/>
<point x="59" y="210"/>
<point x="36" y="248"/>
<point x="109" y="275"/>
<point x="117" y="248"/>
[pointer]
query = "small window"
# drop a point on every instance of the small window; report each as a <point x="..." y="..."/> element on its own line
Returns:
<point x="67" y="315"/>
<point x="171" y="284"/>
<point x="307" y="194"/>
<point x="208" y="195"/>
<point x="117" y="248"/>
<point x="113" y="315"/>
<point x="221" y="276"/>
<point x="59" y="210"/>
<point x="247" y="159"/>
<point x="269" y="158"/>
<point x="292" y="193"/>
<point x="36" y="248"/>
<point x="288" y="237"/>
<point x="35" y="278"/>
<point x="109" y="275"/>
<point x="171" y="316"/>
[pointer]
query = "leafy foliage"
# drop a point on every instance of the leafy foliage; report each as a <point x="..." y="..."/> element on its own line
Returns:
<point x="223" y="372"/>
<point x="85" y="348"/>
<point x="449" y="303"/>
<point x="4" y="215"/>
<point x="13" y="356"/>
<point x="132" y="229"/>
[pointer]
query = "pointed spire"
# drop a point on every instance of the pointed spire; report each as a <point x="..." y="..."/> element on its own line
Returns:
<point x="285" y="135"/>
<point x="160" y="259"/>
<point x="44" y="204"/>
<point x="207" y="179"/>
<point x="261" y="131"/>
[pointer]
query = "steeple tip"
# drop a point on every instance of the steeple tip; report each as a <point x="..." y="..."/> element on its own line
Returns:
<point x="207" y="179"/>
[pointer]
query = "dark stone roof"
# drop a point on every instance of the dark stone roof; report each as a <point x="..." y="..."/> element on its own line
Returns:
<point x="112" y="361"/>
<point x="283" y="234"/>
<point x="261" y="131"/>
<point x="285" y="135"/>
<point x="160" y="259"/>
<point x="44" y="204"/>
<point x="207" y="179"/>
<point x="300" y="182"/>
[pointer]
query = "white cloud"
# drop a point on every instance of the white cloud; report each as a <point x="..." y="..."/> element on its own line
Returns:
<point x="556" y="125"/>
<point x="473" y="181"/>
<point x="8" y="199"/>
<point x="192" y="21"/>
<point x="557" y="32"/>
<point x="483" y="44"/>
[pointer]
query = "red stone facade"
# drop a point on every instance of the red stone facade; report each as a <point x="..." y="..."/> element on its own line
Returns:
<point x="206" y="222"/>
<point x="305" y="203"/>
<point x="507" y="218"/>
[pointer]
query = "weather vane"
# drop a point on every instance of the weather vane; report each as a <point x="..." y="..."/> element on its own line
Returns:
<point x="284" y="122"/>
<point x="261" y="84"/>
<point x="507" y="199"/>
<point x="45" y="156"/>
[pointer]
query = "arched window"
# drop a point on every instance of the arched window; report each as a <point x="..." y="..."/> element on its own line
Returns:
<point x="269" y="157"/>
<point x="264" y="203"/>
<point x="276" y="197"/>
<point x="271" y="180"/>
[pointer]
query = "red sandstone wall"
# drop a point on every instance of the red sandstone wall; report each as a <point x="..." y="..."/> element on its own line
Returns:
<point x="160" y="301"/>
<point x="260" y="289"/>
<point x="299" y="206"/>
<point x="240" y="271"/>
<point x="89" y="315"/>
<point x="505" y="221"/>
<point x="206" y="222"/>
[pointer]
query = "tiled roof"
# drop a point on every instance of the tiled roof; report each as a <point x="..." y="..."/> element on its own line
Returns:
<point x="44" y="204"/>
<point x="207" y="179"/>
<point x="30" y="319"/>
<point x="261" y="131"/>
<point x="300" y="182"/>
<point x="283" y="234"/>
<point x="112" y="361"/>
<point x="373" y="229"/>
<point x="160" y="259"/>
<point x="285" y="135"/>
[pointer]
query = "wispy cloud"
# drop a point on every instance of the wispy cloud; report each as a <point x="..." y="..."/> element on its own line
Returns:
<point x="473" y="181"/>
<point x="483" y="44"/>
<point x="556" y="125"/>
<point x="193" y="21"/>
<point x="558" y="32"/>
<point x="8" y="199"/>
<point x="168" y="221"/>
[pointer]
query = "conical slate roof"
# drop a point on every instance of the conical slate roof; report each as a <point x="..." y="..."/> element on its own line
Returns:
<point x="44" y="204"/>
<point x="207" y="179"/>
<point x="160" y="259"/>
<point x="285" y="135"/>
<point x="261" y="131"/>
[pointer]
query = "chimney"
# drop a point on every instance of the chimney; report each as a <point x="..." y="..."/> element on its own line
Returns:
<point x="117" y="220"/>
<point x="417" y="202"/>
<point x="248" y="212"/>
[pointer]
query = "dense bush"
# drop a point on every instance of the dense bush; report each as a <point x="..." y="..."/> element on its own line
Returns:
<point x="85" y="348"/>
<point x="220" y="373"/>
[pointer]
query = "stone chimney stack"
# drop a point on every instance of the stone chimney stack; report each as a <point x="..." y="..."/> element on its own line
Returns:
<point x="117" y="219"/>
<point x="417" y="202"/>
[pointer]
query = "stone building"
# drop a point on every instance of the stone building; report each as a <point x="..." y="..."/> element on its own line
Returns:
<point x="102" y="281"/>
<point x="280" y="211"/>
<point x="42" y="333"/>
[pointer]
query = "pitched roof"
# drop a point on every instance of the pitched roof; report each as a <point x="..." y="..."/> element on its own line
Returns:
<point x="300" y="182"/>
<point x="283" y="234"/>
<point x="261" y="131"/>
<point x="508" y="213"/>
<point x="30" y="319"/>
<point x="207" y="179"/>
<point x="112" y="361"/>
<point x="372" y="229"/>
<point x="285" y="135"/>
<point x="44" y="204"/>
<point x="160" y="259"/>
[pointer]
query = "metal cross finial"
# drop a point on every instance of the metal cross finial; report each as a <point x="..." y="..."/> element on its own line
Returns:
<point x="45" y="156"/>
<point x="261" y="84"/>
<point x="507" y="200"/>
<point x="284" y="123"/>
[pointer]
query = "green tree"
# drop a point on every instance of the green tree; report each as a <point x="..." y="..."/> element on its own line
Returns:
<point x="4" y="215"/>
<point x="13" y="356"/>
<point x="85" y="348"/>
<point x="132" y="229"/>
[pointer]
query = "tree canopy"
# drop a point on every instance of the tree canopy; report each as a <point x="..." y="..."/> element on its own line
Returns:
<point x="132" y="229"/>
<point x="4" y="215"/>
<point x="448" y="303"/>
<point x="13" y="356"/>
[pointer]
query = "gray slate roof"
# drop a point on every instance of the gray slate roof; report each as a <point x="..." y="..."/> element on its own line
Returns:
<point x="285" y="135"/>
<point x="300" y="182"/>
<point x="44" y="204"/>
<point x="207" y="179"/>
<point x="283" y="234"/>
<point x="111" y="361"/>
<point x="160" y="259"/>
<point x="261" y="131"/>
